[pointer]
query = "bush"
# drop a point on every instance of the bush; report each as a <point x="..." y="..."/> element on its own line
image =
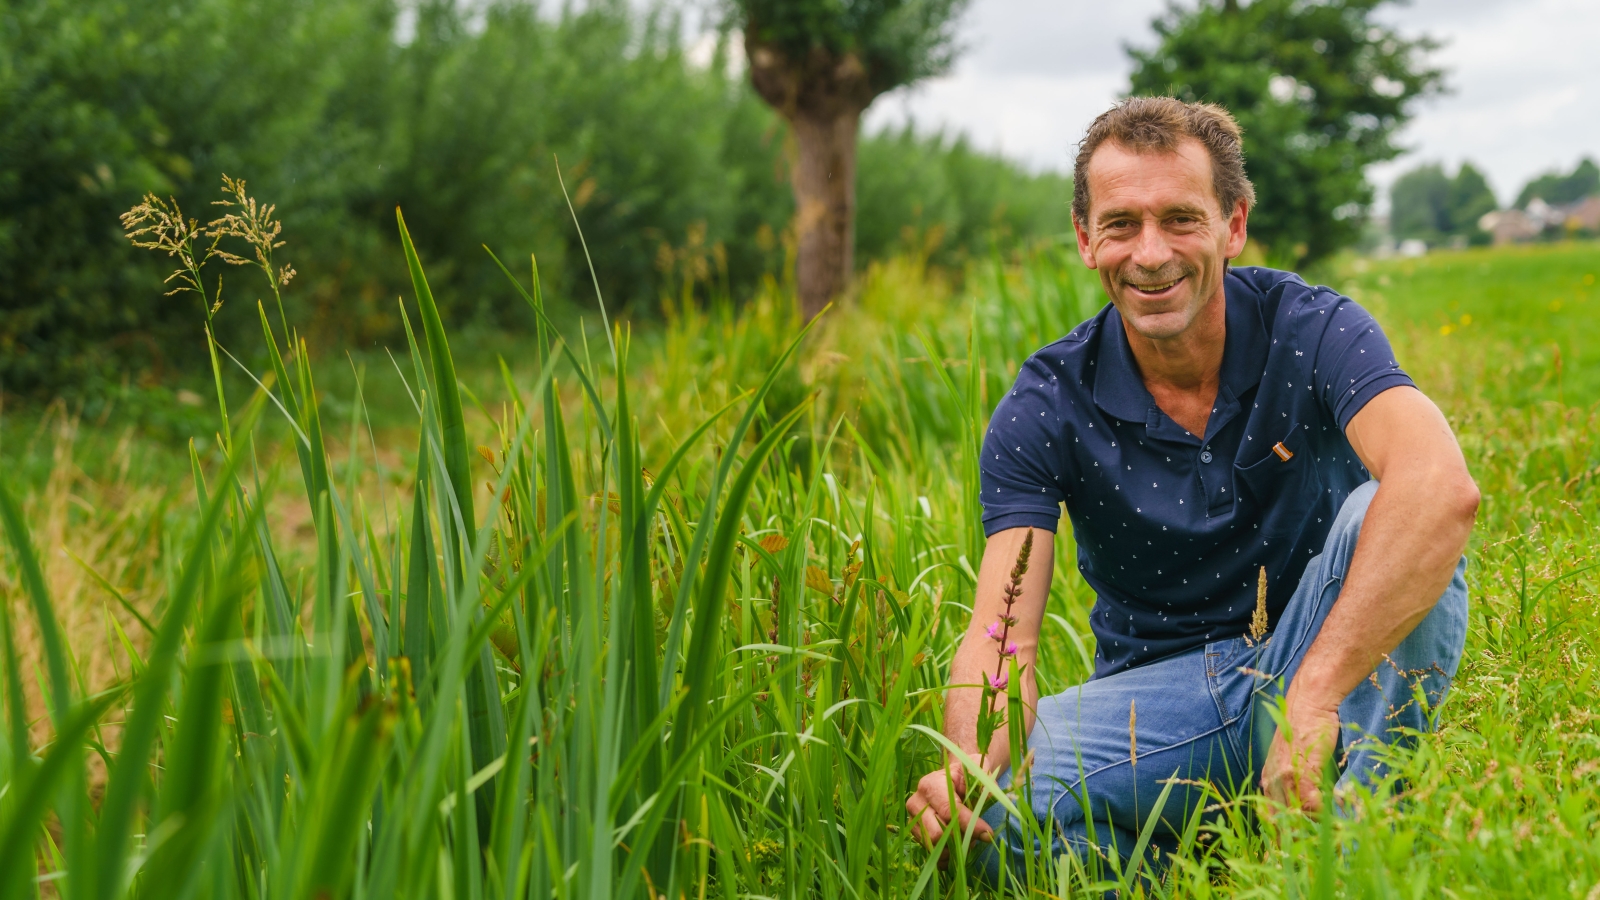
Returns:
<point x="103" y="101"/>
<point x="937" y="193"/>
<point x="674" y="168"/>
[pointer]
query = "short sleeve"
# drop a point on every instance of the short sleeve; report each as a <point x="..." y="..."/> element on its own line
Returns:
<point x="1020" y="467"/>
<point x="1354" y="362"/>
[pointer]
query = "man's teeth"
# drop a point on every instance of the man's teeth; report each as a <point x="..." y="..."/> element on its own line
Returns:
<point x="1156" y="288"/>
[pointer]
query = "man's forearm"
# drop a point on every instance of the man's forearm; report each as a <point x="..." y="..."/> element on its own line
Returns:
<point x="974" y="663"/>
<point x="1410" y="541"/>
<point x="977" y="658"/>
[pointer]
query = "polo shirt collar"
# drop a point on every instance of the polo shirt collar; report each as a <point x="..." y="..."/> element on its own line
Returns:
<point x="1119" y="390"/>
<point x="1244" y="355"/>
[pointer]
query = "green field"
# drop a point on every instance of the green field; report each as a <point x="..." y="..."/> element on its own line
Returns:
<point x="524" y="647"/>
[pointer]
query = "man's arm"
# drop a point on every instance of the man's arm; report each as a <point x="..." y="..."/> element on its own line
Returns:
<point x="932" y="807"/>
<point x="1412" y="536"/>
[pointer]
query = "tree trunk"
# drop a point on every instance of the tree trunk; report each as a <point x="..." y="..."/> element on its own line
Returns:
<point x="822" y="96"/>
<point x="824" y="181"/>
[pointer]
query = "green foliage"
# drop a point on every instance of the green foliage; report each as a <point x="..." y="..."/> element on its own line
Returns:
<point x="1320" y="90"/>
<point x="1556" y="188"/>
<point x="655" y="151"/>
<point x="676" y="170"/>
<point x="102" y="101"/>
<point x="1426" y="203"/>
<point x="934" y="194"/>
<point x="899" y="41"/>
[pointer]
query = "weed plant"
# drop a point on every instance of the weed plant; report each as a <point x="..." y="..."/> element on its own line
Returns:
<point x="679" y="627"/>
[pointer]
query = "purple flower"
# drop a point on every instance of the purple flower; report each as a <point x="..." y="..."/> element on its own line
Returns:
<point x="994" y="632"/>
<point x="1010" y="649"/>
<point x="998" y="682"/>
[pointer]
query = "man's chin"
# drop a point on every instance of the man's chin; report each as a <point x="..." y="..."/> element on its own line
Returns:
<point x="1156" y="324"/>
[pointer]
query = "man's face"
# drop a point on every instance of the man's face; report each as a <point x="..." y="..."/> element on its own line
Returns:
<point x="1157" y="235"/>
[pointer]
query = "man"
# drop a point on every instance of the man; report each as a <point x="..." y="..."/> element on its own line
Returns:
<point x="1209" y="424"/>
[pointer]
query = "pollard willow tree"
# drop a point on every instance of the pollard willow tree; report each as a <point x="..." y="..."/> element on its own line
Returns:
<point x="820" y="64"/>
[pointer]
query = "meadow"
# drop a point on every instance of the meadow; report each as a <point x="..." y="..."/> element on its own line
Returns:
<point x="667" y="612"/>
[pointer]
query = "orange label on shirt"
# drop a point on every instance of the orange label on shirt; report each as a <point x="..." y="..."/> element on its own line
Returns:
<point x="1284" y="453"/>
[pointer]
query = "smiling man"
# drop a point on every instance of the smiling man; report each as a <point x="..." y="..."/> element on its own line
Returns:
<point x="1210" y="425"/>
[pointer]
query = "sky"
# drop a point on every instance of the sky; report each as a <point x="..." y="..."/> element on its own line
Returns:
<point x="1523" y="82"/>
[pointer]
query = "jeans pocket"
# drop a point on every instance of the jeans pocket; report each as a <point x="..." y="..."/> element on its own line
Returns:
<point x="1230" y="668"/>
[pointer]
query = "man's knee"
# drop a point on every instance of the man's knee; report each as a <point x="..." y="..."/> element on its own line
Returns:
<point x="1341" y="541"/>
<point x="1354" y="511"/>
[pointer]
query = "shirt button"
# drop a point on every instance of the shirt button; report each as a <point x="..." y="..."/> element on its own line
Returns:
<point x="1205" y="456"/>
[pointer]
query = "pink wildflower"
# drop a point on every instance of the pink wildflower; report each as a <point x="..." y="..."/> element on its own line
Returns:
<point x="998" y="682"/>
<point x="994" y="632"/>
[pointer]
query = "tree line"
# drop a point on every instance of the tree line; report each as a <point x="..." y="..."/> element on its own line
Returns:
<point x="1428" y="204"/>
<point x="340" y="110"/>
<point x="691" y="173"/>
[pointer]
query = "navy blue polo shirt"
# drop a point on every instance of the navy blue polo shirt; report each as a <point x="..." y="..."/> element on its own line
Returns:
<point x="1172" y="527"/>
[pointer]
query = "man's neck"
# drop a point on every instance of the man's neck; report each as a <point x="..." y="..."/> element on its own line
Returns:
<point x="1190" y="360"/>
<point x="1184" y="372"/>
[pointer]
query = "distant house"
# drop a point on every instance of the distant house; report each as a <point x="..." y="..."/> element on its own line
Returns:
<point x="1515" y="225"/>
<point x="1510" y="226"/>
<point x="1583" y="215"/>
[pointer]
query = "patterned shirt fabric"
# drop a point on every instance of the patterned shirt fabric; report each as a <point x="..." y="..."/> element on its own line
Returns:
<point x="1172" y="528"/>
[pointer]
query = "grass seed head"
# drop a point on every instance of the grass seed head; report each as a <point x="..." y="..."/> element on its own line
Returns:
<point x="1258" y="621"/>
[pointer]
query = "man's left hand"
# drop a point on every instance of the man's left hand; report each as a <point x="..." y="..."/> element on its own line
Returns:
<point x="1293" y="771"/>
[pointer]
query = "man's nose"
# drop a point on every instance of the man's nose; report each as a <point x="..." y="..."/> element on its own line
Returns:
<point x="1150" y="250"/>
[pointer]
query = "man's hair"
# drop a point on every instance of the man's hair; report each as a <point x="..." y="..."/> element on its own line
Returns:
<point x="1158" y="125"/>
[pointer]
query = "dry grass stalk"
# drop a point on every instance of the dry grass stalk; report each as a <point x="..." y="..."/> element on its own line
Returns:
<point x="1133" y="734"/>
<point x="1258" y="621"/>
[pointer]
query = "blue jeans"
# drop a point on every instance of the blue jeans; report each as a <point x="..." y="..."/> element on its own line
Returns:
<point x="1203" y="716"/>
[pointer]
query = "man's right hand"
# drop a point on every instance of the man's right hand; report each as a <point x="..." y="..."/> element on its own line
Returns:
<point x="937" y="801"/>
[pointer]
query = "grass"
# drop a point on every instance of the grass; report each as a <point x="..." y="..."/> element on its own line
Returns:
<point x="674" y="622"/>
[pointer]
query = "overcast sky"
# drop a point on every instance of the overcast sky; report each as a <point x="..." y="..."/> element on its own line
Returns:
<point x="1524" y="78"/>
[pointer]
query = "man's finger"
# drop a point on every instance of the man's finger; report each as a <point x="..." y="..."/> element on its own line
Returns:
<point x="964" y="818"/>
<point x="915" y="805"/>
<point x="932" y="829"/>
<point x="939" y="802"/>
<point x="1310" y="794"/>
<point x="958" y="778"/>
<point x="1273" y="788"/>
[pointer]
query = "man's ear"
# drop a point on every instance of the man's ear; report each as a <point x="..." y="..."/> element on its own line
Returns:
<point x="1238" y="233"/>
<point x="1084" y="252"/>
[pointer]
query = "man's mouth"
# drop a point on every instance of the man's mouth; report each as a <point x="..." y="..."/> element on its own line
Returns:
<point x="1155" y="289"/>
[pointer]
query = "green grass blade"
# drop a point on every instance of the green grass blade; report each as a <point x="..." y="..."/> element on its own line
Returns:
<point x="419" y="581"/>
<point x="445" y="391"/>
<point x="125" y="782"/>
<point x="296" y="735"/>
<point x="16" y="702"/>
<point x="190" y="789"/>
<point x="290" y="403"/>
<point x="55" y="651"/>
<point x="708" y="516"/>
<point x="702" y="658"/>
<point x="111" y="589"/>
<point x="1137" y="857"/>
<point x="349" y="794"/>
<point x="595" y="279"/>
<point x="32" y="804"/>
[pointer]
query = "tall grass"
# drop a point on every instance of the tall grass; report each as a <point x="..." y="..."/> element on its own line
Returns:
<point x="670" y="615"/>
